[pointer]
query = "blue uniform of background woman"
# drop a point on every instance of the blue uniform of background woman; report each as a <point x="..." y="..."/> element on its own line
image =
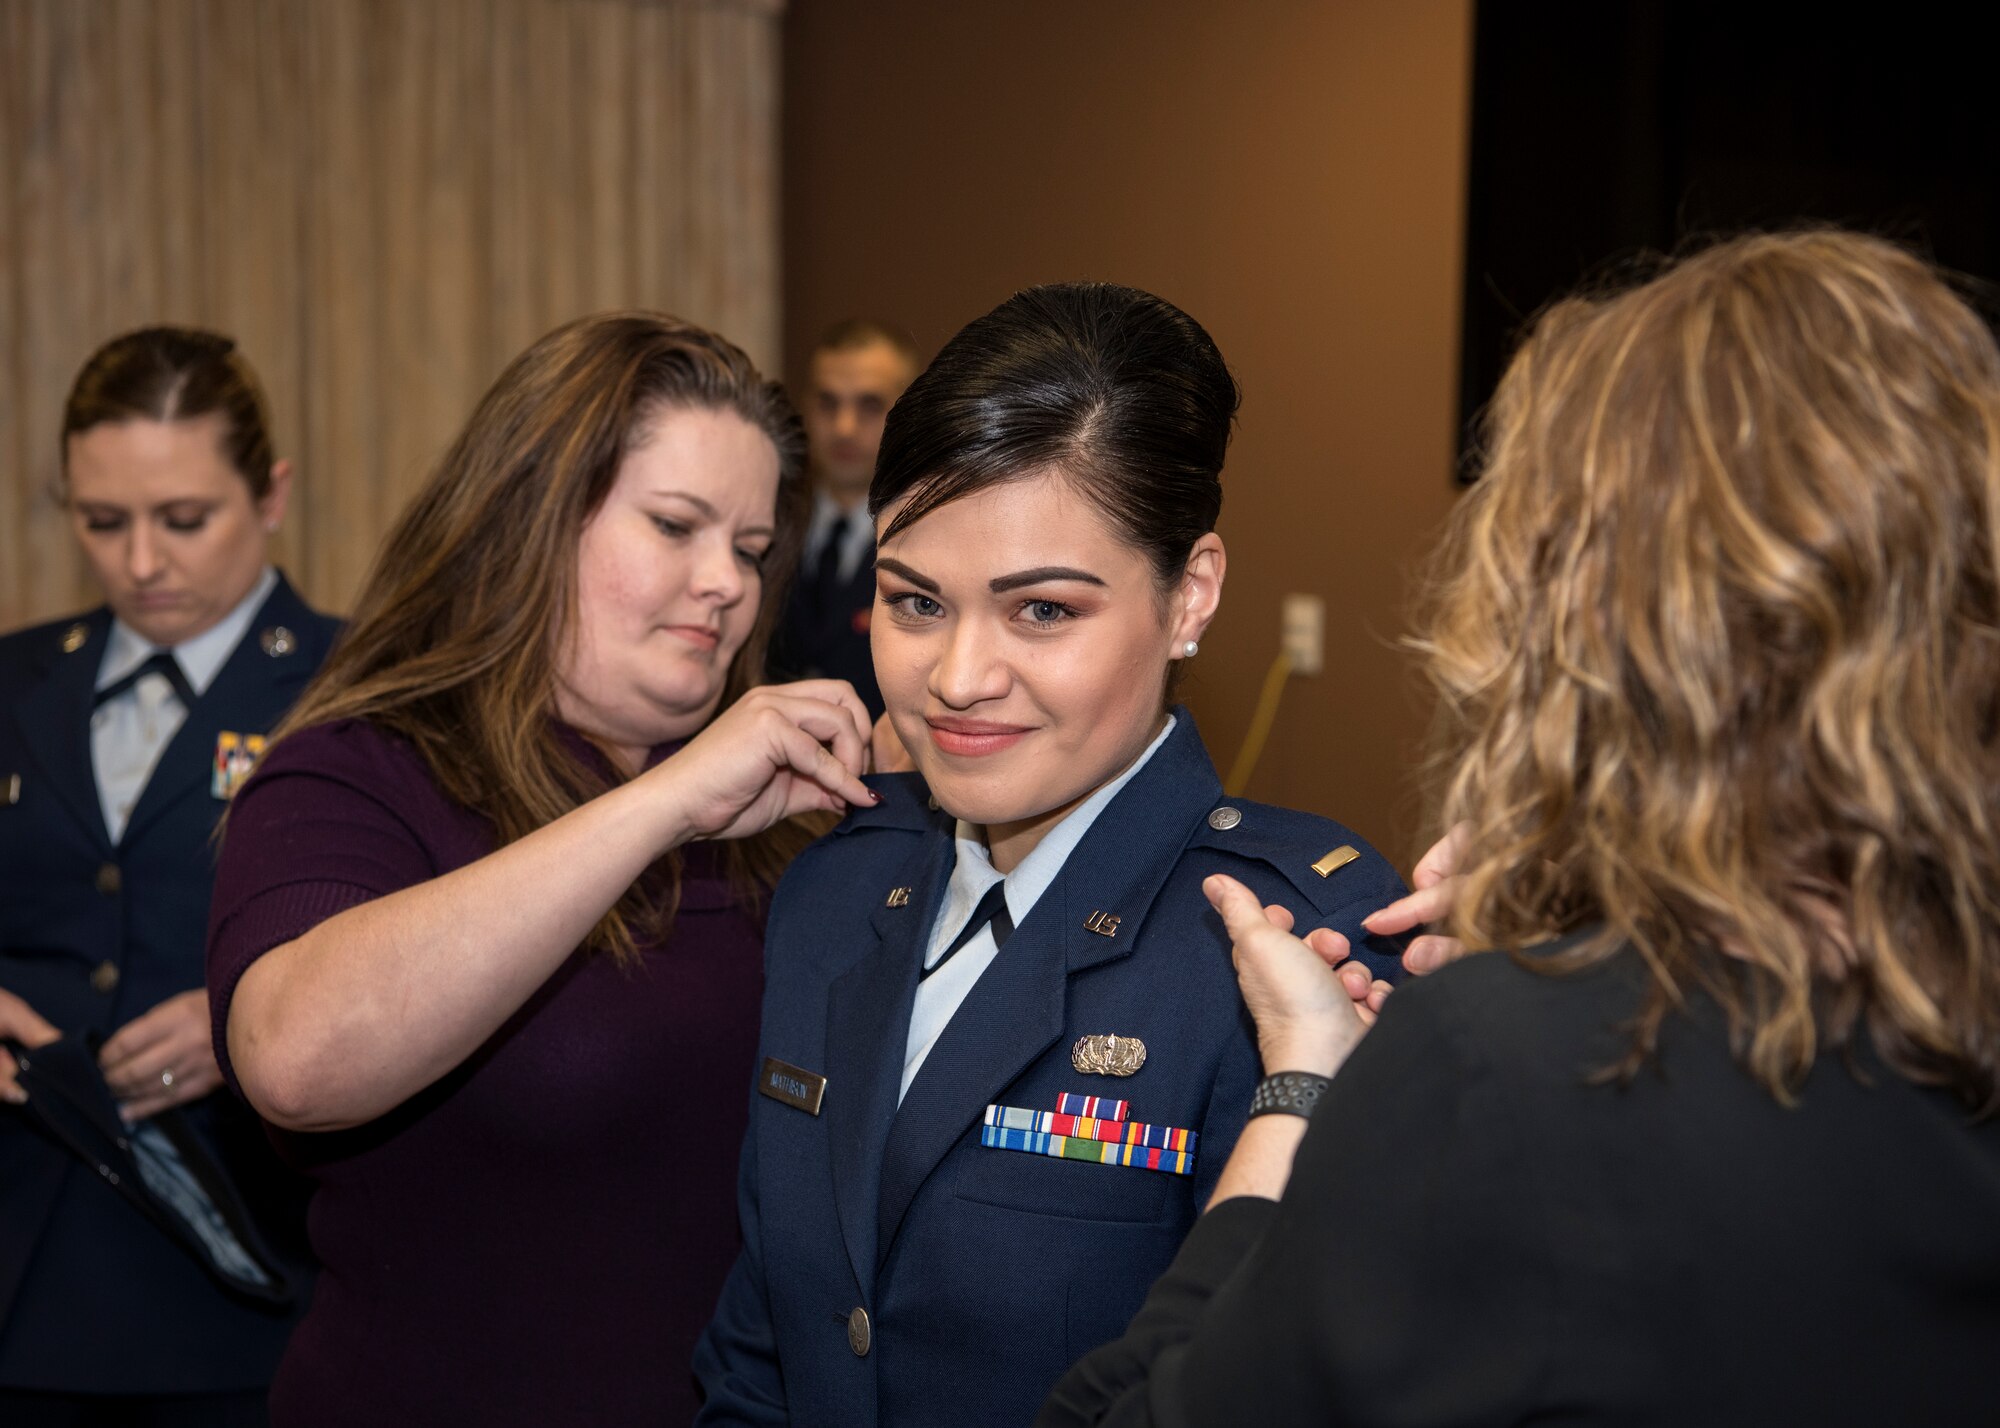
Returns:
<point x="106" y="863"/>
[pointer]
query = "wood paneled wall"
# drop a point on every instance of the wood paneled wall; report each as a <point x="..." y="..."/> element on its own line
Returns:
<point x="383" y="200"/>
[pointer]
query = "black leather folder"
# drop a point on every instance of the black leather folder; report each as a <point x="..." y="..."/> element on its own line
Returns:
<point x="159" y="1165"/>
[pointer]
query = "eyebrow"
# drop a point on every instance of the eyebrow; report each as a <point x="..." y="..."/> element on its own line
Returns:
<point x="709" y="512"/>
<point x="119" y="508"/>
<point x="700" y="505"/>
<point x="897" y="568"/>
<point x="999" y="584"/>
<point x="1041" y="574"/>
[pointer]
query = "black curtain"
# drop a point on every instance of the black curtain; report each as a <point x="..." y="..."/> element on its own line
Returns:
<point x="1604" y="130"/>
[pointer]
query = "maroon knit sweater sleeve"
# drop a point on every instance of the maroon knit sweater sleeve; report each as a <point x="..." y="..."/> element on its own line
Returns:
<point x="335" y="816"/>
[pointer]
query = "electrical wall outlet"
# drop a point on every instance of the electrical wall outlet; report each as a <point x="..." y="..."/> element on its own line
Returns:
<point x="1302" y="628"/>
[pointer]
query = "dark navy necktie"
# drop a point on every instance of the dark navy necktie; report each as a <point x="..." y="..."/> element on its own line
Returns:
<point x="158" y="662"/>
<point x="826" y="577"/>
<point x="992" y="909"/>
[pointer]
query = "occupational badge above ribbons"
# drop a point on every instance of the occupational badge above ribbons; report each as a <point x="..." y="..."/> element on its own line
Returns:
<point x="1091" y="1128"/>
<point x="1108" y="1055"/>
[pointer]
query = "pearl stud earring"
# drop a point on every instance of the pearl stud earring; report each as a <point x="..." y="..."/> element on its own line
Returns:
<point x="1189" y="649"/>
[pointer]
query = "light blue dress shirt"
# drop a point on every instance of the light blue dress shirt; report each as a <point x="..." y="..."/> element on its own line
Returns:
<point x="128" y="733"/>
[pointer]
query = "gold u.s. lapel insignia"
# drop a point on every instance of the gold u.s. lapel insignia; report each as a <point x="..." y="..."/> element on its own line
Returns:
<point x="1111" y="1055"/>
<point x="236" y="758"/>
<point x="898" y="897"/>
<point x="1103" y="924"/>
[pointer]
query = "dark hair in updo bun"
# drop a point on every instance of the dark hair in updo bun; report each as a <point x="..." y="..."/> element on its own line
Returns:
<point x="1119" y="392"/>
<point x="176" y="374"/>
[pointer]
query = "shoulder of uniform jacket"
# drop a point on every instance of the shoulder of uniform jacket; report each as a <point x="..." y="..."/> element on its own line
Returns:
<point x="1328" y="863"/>
<point x="906" y="805"/>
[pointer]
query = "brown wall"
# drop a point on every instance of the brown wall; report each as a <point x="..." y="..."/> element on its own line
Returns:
<point x="1290" y="173"/>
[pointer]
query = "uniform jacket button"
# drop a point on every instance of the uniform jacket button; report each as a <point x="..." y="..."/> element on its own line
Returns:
<point x="860" y="1333"/>
<point x="1224" y="819"/>
<point x="109" y="879"/>
<point x="104" y="977"/>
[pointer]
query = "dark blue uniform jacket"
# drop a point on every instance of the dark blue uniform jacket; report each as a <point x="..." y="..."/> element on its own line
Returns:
<point x="981" y="1273"/>
<point x="93" y="1296"/>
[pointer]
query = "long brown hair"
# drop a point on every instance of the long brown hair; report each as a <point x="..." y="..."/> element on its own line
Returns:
<point x="453" y="642"/>
<point x="1718" y="642"/>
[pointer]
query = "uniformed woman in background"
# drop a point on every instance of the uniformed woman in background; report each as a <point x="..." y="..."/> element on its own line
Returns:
<point x="122" y="734"/>
<point x="1003" y="1057"/>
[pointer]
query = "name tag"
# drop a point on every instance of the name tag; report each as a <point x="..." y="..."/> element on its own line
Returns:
<point x="794" y="1085"/>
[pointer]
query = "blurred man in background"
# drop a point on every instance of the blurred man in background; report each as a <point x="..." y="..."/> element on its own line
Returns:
<point x="858" y="370"/>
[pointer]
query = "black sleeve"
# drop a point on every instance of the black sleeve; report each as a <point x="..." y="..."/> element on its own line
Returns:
<point x="1404" y="1278"/>
<point x="1217" y="1246"/>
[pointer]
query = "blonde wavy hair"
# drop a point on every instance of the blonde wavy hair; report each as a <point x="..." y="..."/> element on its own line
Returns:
<point x="1717" y="639"/>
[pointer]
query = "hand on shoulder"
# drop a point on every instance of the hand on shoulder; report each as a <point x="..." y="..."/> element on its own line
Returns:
<point x="1310" y="1004"/>
<point x="1437" y="882"/>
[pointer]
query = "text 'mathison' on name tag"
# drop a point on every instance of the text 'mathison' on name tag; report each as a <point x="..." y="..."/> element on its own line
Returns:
<point x="794" y="1085"/>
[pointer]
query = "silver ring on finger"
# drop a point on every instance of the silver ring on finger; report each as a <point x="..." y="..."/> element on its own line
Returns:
<point x="167" y="1080"/>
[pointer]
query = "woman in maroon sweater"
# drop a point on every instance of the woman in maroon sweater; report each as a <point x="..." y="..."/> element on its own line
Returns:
<point x="485" y="939"/>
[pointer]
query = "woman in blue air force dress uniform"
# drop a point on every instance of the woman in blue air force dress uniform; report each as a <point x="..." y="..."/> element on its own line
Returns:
<point x="1003" y="1056"/>
<point x="114" y="767"/>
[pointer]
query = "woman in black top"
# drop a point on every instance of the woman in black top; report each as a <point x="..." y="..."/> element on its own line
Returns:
<point x="1719" y="636"/>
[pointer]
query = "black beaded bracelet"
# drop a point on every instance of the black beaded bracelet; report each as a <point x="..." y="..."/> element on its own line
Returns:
<point x="1292" y="1093"/>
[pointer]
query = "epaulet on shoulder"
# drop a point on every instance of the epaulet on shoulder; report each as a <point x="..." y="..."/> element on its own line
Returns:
<point x="1330" y="865"/>
<point x="906" y="804"/>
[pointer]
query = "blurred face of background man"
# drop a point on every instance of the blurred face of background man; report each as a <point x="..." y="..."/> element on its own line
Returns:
<point x="852" y="390"/>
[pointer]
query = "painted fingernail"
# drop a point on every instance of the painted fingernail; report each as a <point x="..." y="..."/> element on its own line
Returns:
<point x="874" y="795"/>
